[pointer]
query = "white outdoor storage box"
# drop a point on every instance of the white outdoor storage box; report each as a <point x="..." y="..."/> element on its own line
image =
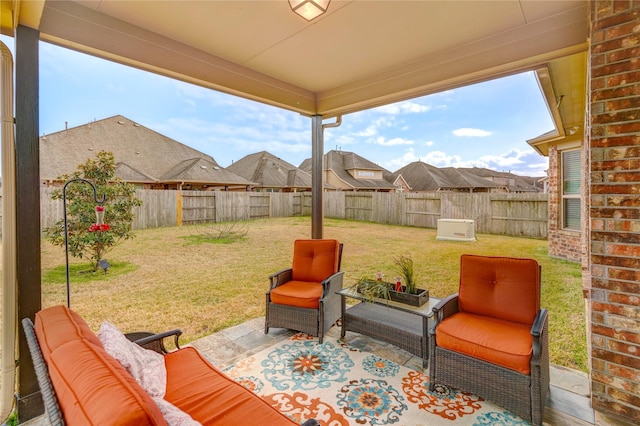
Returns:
<point x="456" y="230"/>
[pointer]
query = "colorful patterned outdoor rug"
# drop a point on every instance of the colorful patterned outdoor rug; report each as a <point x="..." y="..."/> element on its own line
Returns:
<point x="338" y="384"/>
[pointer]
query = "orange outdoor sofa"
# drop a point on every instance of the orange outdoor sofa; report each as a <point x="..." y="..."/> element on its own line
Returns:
<point x="83" y="385"/>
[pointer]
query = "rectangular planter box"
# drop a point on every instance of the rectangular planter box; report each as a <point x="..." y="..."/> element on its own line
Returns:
<point x="417" y="299"/>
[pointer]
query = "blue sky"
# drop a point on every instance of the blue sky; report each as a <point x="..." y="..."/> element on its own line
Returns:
<point x="484" y="125"/>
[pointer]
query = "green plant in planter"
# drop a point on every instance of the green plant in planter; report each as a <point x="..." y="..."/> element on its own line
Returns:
<point x="373" y="288"/>
<point x="405" y="265"/>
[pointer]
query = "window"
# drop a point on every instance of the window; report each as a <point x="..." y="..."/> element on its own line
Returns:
<point x="571" y="182"/>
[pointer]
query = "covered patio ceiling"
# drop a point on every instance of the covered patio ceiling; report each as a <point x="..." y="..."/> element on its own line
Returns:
<point x="358" y="55"/>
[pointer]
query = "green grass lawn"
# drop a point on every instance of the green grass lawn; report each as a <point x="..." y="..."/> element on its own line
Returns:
<point x="177" y="281"/>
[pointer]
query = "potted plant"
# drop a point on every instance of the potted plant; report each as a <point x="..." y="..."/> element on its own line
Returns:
<point x="405" y="265"/>
<point x="373" y="288"/>
<point x="409" y="293"/>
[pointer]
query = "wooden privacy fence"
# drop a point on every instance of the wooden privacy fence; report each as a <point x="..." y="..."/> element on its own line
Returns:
<point x="523" y="215"/>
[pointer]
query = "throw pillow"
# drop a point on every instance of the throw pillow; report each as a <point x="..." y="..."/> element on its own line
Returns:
<point x="146" y="366"/>
<point x="173" y="415"/>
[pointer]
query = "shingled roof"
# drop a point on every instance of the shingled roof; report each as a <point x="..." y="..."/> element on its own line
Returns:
<point x="269" y="171"/>
<point x="141" y="154"/>
<point x="344" y="165"/>
<point x="423" y="177"/>
<point x="515" y="183"/>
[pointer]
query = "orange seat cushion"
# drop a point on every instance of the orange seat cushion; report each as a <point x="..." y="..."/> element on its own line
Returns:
<point x="314" y="260"/>
<point x="94" y="389"/>
<point x="212" y="398"/>
<point x="500" y="342"/>
<point x="298" y="293"/>
<point x="500" y="287"/>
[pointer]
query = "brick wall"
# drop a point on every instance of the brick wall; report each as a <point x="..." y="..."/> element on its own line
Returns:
<point x="562" y="243"/>
<point x="615" y="206"/>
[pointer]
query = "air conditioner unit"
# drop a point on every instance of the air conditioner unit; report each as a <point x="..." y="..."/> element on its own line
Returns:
<point x="456" y="230"/>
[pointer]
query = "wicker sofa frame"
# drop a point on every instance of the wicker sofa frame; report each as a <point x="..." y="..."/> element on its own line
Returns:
<point x="523" y="395"/>
<point x="311" y="321"/>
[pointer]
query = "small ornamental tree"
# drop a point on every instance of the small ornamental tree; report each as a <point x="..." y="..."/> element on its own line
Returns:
<point x="94" y="229"/>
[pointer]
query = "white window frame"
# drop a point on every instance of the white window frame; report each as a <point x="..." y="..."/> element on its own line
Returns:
<point x="570" y="189"/>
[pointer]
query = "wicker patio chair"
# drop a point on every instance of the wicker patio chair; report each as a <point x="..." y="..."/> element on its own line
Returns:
<point x="303" y="297"/>
<point x="491" y="337"/>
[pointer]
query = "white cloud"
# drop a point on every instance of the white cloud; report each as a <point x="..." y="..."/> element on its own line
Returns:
<point x="441" y="159"/>
<point x="368" y="132"/>
<point x="380" y="140"/>
<point x="517" y="161"/>
<point x="408" y="107"/>
<point x="469" y="132"/>
<point x="374" y="127"/>
<point x="397" y="163"/>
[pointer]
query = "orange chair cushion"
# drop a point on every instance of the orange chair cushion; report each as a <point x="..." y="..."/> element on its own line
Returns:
<point x="94" y="389"/>
<point x="500" y="342"/>
<point x="314" y="260"/>
<point x="297" y="293"/>
<point x="58" y="325"/>
<point x="500" y="287"/>
<point x="210" y="397"/>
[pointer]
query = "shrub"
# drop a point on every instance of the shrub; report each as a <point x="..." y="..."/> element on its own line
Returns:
<point x="87" y="236"/>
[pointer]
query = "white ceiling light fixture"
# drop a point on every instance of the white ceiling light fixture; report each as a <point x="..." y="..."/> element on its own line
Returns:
<point x="309" y="9"/>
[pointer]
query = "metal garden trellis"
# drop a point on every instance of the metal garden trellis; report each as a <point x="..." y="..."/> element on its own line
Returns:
<point x="66" y="229"/>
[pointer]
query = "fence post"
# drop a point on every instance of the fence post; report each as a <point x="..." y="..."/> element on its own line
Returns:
<point x="179" y="208"/>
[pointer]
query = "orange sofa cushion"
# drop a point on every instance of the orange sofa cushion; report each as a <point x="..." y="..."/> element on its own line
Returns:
<point x="210" y="397"/>
<point x="297" y="293"/>
<point x="94" y="389"/>
<point x="58" y="325"/>
<point x="314" y="260"/>
<point x="500" y="342"/>
<point x="91" y="386"/>
<point x="500" y="287"/>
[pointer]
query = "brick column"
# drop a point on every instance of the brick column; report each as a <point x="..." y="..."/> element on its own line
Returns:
<point x="615" y="207"/>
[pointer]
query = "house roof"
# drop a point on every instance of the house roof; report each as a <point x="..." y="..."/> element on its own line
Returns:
<point x="141" y="154"/>
<point x="129" y="174"/>
<point x="421" y="176"/>
<point x="341" y="162"/>
<point x="515" y="183"/>
<point x="267" y="170"/>
<point x="201" y="170"/>
<point x="424" y="177"/>
<point x="350" y="161"/>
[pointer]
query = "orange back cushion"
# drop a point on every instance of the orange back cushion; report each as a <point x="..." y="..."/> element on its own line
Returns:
<point x="314" y="260"/>
<point x="94" y="389"/>
<point x="500" y="287"/>
<point x="58" y="325"/>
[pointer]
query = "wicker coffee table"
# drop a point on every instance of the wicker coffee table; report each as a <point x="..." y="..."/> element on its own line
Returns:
<point x="400" y="324"/>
